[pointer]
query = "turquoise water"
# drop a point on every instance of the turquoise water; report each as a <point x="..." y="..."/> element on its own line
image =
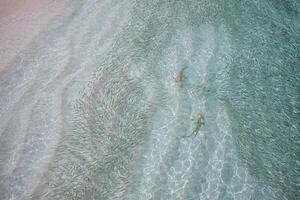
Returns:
<point x="130" y="128"/>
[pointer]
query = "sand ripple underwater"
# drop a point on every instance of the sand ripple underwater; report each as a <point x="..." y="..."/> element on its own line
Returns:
<point x="157" y="100"/>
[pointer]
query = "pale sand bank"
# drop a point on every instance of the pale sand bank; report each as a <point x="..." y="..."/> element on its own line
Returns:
<point x="21" y="21"/>
<point x="11" y="7"/>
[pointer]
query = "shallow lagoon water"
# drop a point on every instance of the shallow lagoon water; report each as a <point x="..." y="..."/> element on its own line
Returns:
<point x="92" y="109"/>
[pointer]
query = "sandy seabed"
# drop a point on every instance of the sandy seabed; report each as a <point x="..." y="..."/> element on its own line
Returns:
<point x="140" y="99"/>
<point x="22" y="21"/>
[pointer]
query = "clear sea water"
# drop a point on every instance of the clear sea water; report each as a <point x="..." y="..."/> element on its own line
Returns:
<point x="127" y="118"/>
